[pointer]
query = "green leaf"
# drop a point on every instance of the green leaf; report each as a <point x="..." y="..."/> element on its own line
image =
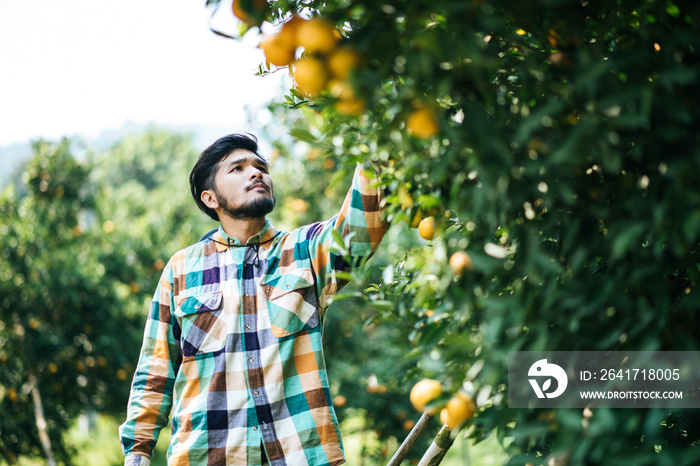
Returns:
<point x="303" y="135"/>
<point x="383" y="305"/>
<point x="348" y="294"/>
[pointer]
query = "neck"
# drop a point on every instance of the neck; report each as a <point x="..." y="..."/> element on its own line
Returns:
<point x="242" y="229"/>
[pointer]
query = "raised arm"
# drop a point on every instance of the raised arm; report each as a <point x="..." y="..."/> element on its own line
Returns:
<point x="360" y="223"/>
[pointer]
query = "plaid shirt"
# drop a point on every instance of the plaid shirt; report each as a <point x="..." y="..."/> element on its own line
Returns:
<point x="232" y="345"/>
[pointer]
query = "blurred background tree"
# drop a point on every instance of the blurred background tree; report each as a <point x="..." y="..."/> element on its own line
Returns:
<point x="64" y="337"/>
<point x="84" y="242"/>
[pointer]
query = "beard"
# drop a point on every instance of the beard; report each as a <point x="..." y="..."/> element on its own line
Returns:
<point x="256" y="208"/>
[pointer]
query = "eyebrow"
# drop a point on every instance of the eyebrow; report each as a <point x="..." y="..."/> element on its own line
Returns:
<point x="239" y="160"/>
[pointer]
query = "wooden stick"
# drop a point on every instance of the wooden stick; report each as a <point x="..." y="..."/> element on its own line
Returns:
<point x="410" y="440"/>
<point x="438" y="449"/>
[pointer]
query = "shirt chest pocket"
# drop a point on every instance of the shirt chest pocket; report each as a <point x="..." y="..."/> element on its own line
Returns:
<point x="202" y="322"/>
<point x="291" y="302"/>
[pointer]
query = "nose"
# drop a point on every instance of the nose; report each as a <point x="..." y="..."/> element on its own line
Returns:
<point x="256" y="173"/>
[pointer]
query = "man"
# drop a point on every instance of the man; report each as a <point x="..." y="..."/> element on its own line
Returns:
<point x="232" y="343"/>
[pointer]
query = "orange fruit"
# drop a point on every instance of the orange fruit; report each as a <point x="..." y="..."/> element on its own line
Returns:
<point x="329" y="164"/>
<point x="426" y="228"/>
<point x="424" y="392"/>
<point x="310" y="76"/>
<point x="460" y="261"/>
<point x="423" y="123"/>
<point x="316" y="35"/>
<point x="350" y="107"/>
<point x="347" y="104"/>
<point x="256" y="19"/>
<point x="341" y="89"/>
<point x="288" y="33"/>
<point x="414" y="220"/>
<point x="277" y="52"/>
<point x="443" y="416"/>
<point x="342" y="61"/>
<point x="408" y="424"/>
<point x="340" y="401"/>
<point x="460" y="408"/>
<point x="405" y="197"/>
<point x="299" y="205"/>
<point x="159" y="264"/>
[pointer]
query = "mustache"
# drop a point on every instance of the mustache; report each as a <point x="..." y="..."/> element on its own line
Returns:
<point x="255" y="184"/>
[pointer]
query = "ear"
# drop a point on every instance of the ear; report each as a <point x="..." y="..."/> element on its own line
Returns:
<point x="209" y="198"/>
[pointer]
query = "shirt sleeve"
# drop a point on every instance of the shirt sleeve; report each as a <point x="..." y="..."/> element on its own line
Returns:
<point x="362" y="226"/>
<point x="150" y="400"/>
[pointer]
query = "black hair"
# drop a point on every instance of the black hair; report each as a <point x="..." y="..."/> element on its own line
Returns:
<point x="202" y="176"/>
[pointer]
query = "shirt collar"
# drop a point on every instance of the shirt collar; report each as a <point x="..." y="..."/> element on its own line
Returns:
<point x="222" y="239"/>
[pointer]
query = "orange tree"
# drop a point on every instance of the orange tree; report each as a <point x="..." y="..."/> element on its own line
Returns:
<point x="83" y="244"/>
<point x="64" y="339"/>
<point x="555" y="143"/>
<point x="364" y="358"/>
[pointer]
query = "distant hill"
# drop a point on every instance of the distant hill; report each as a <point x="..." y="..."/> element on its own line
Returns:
<point x="12" y="156"/>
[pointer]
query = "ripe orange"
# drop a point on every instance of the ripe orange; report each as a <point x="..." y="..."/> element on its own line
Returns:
<point x="414" y="220"/>
<point x="423" y="123"/>
<point x="277" y="51"/>
<point x="350" y="107"/>
<point x="408" y="424"/>
<point x="159" y="264"/>
<point x="460" y="261"/>
<point x="347" y="103"/>
<point x="328" y="164"/>
<point x="299" y="205"/>
<point x="426" y="228"/>
<point x="316" y="35"/>
<point x="256" y="19"/>
<point x="424" y="392"/>
<point x="342" y="61"/>
<point x="340" y="401"/>
<point x="443" y="416"/>
<point x="288" y="33"/>
<point x="310" y="75"/>
<point x="341" y="89"/>
<point x="405" y="197"/>
<point x="460" y="408"/>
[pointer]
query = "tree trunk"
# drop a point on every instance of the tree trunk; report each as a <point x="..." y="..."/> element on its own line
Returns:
<point x="41" y="422"/>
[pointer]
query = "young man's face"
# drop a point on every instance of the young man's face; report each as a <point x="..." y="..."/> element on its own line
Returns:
<point x="243" y="187"/>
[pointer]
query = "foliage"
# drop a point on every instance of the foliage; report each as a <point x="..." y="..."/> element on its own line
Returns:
<point x="60" y="322"/>
<point x="365" y="360"/>
<point x="83" y="244"/>
<point x="556" y="143"/>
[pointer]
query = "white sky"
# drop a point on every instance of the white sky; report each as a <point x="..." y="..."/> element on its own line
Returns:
<point x="81" y="66"/>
